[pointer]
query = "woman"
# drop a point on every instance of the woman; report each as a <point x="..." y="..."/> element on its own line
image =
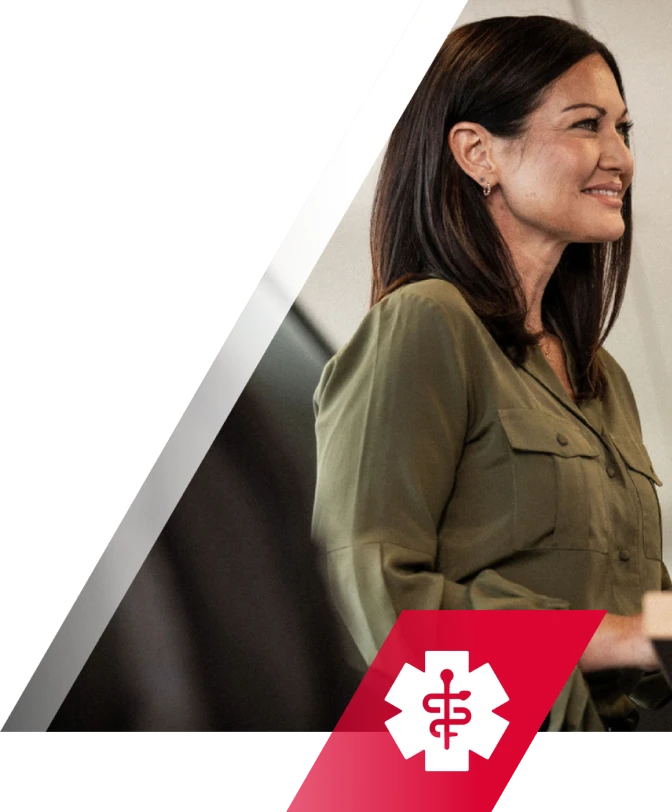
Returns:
<point x="477" y="447"/>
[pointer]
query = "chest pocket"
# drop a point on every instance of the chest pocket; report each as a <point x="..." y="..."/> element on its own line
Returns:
<point x="644" y="479"/>
<point x="558" y="483"/>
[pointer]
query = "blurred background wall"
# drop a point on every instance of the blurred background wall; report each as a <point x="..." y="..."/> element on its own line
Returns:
<point x="639" y="34"/>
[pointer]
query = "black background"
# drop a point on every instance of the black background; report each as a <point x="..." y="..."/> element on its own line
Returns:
<point x="156" y="159"/>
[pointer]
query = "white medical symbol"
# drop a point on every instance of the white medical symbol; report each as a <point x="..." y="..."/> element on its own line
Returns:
<point x="446" y="711"/>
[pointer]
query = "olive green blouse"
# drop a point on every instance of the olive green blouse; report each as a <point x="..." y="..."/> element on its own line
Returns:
<point x="450" y="478"/>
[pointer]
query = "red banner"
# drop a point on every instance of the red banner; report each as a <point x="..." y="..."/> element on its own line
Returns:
<point x="447" y="710"/>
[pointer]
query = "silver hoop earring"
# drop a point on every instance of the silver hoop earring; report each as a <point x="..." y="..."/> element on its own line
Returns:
<point x="487" y="189"/>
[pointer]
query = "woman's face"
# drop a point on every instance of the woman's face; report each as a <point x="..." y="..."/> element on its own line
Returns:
<point x="564" y="179"/>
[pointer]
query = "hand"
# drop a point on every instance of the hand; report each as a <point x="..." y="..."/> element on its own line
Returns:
<point x="619" y="642"/>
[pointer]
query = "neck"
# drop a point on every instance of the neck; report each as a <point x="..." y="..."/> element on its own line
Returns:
<point x="535" y="256"/>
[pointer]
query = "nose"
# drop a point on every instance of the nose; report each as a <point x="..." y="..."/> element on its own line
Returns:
<point x="615" y="154"/>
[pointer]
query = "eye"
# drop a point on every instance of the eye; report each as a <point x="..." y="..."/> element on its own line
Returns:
<point x="624" y="128"/>
<point x="587" y="124"/>
<point x="592" y="125"/>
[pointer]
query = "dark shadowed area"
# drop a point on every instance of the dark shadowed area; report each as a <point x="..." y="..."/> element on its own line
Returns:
<point x="227" y="625"/>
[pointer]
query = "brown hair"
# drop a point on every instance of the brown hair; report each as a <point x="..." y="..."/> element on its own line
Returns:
<point x="429" y="218"/>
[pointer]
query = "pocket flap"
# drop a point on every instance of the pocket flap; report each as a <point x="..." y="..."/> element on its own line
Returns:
<point x="539" y="431"/>
<point x="636" y="457"/>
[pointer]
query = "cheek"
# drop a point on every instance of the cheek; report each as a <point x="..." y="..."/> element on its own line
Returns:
<point x="550" y="171"/>
<point x="567" y="170"/>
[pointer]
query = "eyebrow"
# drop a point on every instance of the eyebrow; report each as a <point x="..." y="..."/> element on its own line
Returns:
<point x="600" y="110"/>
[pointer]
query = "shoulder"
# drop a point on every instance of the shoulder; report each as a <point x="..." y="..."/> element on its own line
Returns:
<point x="431" y="314"/>
<point x="609" y="363"/>
<point x="619" y="399"/>
<point x="436" y="294"/>
<point x="419" y="331"/>
<point x="614" y="372"/>
<point x="434" y="309"/>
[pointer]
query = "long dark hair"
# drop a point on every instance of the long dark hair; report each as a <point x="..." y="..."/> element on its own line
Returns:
<point x="429" y="218"/>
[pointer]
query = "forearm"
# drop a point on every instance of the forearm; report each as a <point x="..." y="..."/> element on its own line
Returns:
<point x="619" y="642"/>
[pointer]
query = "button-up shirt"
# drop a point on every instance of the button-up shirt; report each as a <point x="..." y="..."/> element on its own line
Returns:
<point x="449" y="477"/>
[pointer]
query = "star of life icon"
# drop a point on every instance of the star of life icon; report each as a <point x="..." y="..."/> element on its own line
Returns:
<point x="446" y="710"/>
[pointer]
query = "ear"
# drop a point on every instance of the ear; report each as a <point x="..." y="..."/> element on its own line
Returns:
<point x="471" y="146"/>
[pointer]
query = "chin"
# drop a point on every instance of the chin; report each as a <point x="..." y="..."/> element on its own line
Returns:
<point x="603" y="233"/>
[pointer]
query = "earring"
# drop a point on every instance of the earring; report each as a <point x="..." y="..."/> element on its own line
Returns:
<point x="488" y="189"/>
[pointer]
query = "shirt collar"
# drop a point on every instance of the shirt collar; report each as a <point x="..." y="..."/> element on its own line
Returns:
<point x="536" y="365"/>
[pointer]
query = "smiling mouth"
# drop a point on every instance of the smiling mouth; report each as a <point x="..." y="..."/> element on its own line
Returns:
<point x="607" y="197"/>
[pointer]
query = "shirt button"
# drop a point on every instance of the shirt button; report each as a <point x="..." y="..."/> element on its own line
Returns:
<point x="561" y="439"/>
<point x="611" y="471"/>
<point x="624" y="555"/>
